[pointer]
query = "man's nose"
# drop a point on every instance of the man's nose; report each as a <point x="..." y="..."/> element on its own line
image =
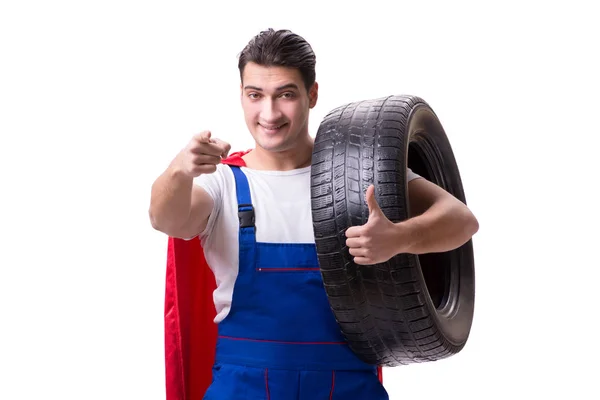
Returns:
<point x="270" y="112"/>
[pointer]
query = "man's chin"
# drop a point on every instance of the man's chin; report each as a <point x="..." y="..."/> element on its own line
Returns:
<point x="274" y="145"/>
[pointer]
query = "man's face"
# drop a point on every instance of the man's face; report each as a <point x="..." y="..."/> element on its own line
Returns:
<point x="276" y="105"/>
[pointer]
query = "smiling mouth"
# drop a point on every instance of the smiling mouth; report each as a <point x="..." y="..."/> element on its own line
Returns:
<point x="272" y="128"/>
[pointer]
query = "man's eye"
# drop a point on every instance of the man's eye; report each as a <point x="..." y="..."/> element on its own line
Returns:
<point x="287" y="95"/>
<point x="253" y="95"/>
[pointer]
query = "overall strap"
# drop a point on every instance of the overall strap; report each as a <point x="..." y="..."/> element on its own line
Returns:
<point x="246" y="215"/>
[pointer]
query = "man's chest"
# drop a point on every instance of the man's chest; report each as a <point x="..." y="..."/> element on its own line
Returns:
<point x="282" y="209"/>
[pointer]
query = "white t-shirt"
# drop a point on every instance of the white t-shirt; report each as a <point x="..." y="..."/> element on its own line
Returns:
<point x="283" y="195"/>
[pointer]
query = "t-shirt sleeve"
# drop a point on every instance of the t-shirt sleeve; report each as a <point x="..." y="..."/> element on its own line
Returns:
<point x="410" y="175"/>
<point x="213" y="184"/>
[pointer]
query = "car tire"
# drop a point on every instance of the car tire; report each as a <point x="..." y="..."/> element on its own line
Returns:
<point x="411" y="308"/>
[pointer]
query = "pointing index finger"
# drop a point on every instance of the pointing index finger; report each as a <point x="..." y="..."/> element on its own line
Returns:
<point x="212" y="149"/>
<point x="226" y="147"/>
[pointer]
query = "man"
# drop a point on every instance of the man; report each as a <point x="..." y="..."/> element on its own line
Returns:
<point x="278" y="338"/>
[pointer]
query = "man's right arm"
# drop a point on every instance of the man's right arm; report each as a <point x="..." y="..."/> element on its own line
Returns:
<point x="177" y="206"/>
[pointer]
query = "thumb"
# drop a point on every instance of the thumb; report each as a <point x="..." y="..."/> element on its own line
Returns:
<point x="204" y="137"/>
<point x="374" y="209"/>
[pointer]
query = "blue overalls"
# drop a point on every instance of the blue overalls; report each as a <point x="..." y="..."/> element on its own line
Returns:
<point x="280" y="340"/>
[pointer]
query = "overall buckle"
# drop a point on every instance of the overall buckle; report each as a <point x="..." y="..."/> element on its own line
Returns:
<point x="246" y="215"/>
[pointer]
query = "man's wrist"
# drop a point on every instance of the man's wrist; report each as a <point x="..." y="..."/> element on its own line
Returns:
<point x="177" y="172"/>
<point x="408" y="234"/>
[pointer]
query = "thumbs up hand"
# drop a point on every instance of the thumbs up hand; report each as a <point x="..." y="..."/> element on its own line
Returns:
<point x="376" y="241"/>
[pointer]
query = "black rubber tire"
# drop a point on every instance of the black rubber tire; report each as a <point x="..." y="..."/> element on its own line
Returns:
<point x="411" y="308"/>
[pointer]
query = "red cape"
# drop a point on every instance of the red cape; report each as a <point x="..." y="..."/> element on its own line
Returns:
<point x="190" y="331"/>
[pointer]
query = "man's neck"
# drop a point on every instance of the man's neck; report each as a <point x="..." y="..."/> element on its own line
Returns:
<point x="297" y="157"/>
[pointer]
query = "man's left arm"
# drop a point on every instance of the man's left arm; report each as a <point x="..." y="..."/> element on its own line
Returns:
<point x="438" y="222"/>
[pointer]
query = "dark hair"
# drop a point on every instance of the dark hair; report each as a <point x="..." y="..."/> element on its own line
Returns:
<point x="280" y="48"/>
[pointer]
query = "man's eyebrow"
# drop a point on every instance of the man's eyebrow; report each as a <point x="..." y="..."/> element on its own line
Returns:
<point x="287" y="86"/>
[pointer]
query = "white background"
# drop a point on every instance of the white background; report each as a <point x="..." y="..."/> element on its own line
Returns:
<point x="97" y="97"/>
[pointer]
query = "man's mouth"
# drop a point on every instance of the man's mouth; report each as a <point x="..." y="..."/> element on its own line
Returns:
<point x="272" y="128"/>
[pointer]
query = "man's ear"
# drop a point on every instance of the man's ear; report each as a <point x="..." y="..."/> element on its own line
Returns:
<point x="313" y="95"/>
